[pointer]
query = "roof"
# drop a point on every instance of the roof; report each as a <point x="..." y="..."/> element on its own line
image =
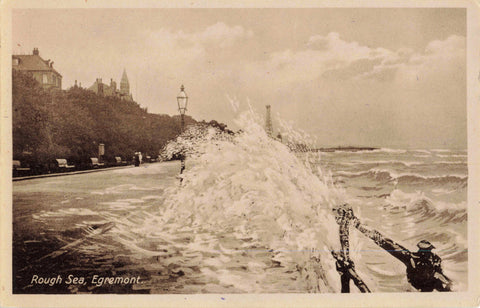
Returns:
<point x="32" y="63"/>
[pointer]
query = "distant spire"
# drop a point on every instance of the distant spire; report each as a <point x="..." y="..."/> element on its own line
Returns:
<point x="124" y="76"/>
<point x="124" y="84"/>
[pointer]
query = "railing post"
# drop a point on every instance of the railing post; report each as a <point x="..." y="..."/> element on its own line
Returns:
<point x="344" y="265"/>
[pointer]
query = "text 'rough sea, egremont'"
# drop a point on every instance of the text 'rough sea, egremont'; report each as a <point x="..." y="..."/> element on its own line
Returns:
<point x="251" y="216"/>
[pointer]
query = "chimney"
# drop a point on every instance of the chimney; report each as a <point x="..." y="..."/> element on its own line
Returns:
<point x="48" y="62"/>
<point x="51" y="64"/>
<point x="35" y="52"/>
<point x="99" y="86"/>
<point x="75" y="83"/>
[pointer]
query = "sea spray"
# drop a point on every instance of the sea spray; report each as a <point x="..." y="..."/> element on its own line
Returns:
<point x="256" y="188"/>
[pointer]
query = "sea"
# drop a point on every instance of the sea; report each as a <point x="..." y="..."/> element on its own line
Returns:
<point x="248" y="215"/>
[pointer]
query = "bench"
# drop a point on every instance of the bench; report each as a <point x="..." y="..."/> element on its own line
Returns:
<point x="18" y="169"/>
<point x="17" y="165"/>
<point x="63" y="164"/>
<point x="96" y="163"/>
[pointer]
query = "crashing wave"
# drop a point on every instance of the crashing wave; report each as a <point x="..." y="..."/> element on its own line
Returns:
<point x="257" y="188"/>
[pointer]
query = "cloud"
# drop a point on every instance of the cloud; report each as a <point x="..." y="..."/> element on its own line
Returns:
<point x="179" y="51"/>
<point x="439" y="59"/>
<point x="219" y="35"/>
<point x="356" y="68"/>
<point x="452" y="45"/>
<point x="330" y="57"/>
<point x="222" y="35"/>
<point x="327" y="56"/>
<point x="364" y="95"/>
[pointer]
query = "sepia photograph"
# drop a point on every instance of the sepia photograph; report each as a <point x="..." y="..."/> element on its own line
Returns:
<point x="229" y="150"/>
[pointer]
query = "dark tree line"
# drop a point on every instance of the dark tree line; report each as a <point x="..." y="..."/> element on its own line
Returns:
<point x="49" y="124"/>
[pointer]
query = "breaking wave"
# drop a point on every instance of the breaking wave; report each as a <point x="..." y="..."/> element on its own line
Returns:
<point x="251" y="190"/>
<point x="418" y="201"/>
<point x="406" y="178"/>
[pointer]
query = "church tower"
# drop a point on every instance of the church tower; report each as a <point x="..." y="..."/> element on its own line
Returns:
<point x="124" y="84"/>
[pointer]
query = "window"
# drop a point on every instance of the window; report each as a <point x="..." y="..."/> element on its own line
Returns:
<point x="45" y="78"/>
<point x="54" y="80"/>
<point x="15" y="61"/>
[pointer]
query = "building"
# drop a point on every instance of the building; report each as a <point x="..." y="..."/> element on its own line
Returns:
<point x="41" y="70"/>
<point x="103" y="89"/>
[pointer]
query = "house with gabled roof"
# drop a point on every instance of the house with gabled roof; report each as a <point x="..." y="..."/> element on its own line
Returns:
<point x="41" y="70"/>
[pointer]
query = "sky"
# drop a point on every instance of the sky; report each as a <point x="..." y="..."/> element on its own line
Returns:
<point x="384" y="77"/>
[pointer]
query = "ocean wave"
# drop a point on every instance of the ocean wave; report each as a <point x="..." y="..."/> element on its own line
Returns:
<point x="400" y="163"/>
<point x="451" y="155"/>
<point x="446" y="162"/>
<point x="422" y="155"/>
<point x="381" y="150"/>
<point x="384" y="175"/>
<point x="418" y="200"/>
<point x="422" y="151"/>
<point x="408" y="178"/>
<point x="388" y="162"/>
<point x="373" y="151"/>
<point x="439" y="180"/>
<point x="443" y="191"/>
<point x="251" y="186"/>
<point x="64" y="213"/>
<point x="387" y="150"/>
<point x="441" y="150"/>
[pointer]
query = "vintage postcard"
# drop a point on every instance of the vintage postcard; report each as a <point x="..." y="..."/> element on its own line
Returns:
<point x="231" y="153"/>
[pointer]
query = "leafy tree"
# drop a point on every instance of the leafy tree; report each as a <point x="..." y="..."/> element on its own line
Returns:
<point x="72" y="123"/>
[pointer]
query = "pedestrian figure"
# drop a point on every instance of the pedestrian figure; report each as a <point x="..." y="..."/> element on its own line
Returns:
<point x="137" y="159"/>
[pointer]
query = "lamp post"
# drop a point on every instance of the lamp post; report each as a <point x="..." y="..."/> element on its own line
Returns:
<point x="182" y="100"/>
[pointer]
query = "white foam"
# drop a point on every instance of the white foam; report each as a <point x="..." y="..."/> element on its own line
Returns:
<point x="64" y="212"/>
<point x="131" y="200"/>
<point x="410" y="200"/>
<point x="248" y="186"/>
<point x="423" y="151"/>
<point x="387" y="150"/>
<point x="386" y="162"/>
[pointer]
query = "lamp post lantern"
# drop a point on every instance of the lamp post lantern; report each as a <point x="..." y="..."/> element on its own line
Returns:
<point x="182" y="100"/>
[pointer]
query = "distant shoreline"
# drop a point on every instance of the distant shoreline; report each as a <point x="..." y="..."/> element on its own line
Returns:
<point x="345" y="149"/>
